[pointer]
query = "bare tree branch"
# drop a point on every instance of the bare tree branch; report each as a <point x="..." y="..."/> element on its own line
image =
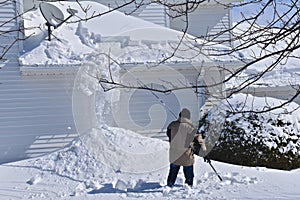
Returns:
<point x="277" y="39"/>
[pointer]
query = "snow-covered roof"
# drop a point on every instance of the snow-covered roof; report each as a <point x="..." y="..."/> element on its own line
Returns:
<point x="79" y="38"/>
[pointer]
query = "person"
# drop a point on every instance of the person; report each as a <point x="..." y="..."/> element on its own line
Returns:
<point x="181" y="134"/>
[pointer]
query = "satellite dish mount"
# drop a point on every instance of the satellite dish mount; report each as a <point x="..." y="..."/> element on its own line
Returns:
<point x="54" y="16"/>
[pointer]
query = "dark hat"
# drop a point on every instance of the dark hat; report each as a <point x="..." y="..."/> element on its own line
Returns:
<point x="185" y="113"/>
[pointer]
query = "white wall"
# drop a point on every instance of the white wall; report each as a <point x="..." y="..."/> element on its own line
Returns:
<point x="36" y="112"/>
<point x="154" y="12"/>
<point x="203" y="21"/>
<point x="29" y="4"/>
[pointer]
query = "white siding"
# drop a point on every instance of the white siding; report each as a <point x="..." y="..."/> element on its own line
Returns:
<point x="205" y="21"/>
<point x="279" y="92"/>
<point x="154" y="12"/>
<point x="148" y="107"/>
<point x="35" y="111"/>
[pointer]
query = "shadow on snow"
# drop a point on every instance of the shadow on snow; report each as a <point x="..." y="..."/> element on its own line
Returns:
<point x="142" y="188"/>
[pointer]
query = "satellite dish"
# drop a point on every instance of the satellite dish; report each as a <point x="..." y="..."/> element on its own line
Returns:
<point x="54" y="16"/>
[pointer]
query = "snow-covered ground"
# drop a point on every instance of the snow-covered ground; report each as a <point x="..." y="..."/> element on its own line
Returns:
<point x="73" y="173"/>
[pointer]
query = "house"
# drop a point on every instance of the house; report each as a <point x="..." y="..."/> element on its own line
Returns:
<point x="36" y="102"/>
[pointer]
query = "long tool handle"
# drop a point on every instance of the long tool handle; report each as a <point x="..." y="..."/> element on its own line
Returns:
<point x="215" y="171"/>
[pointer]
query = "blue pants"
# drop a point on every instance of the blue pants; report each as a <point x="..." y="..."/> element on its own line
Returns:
<point x="188" y="174"/>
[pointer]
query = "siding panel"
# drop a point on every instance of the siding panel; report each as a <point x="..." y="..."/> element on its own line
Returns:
<point x="35" y="111"/>
<point x="205" y="21"/>
<point x="154" y="13"/>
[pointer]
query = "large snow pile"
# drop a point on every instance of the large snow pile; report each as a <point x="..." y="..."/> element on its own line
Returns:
<point x="76" y="163"/>
<point x="72" y="173"/>
<point x="256" y="138"/>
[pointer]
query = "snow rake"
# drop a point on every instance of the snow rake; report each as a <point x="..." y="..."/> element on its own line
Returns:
<point x="206" y="159"/>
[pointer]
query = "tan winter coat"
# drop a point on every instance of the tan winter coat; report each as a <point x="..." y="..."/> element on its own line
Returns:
<point x="181" y="133"/>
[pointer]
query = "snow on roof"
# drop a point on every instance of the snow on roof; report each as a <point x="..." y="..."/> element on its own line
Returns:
<point x="285" y="73"/>
<point x="75" y="39"/>
<point x="80" y="38"/>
